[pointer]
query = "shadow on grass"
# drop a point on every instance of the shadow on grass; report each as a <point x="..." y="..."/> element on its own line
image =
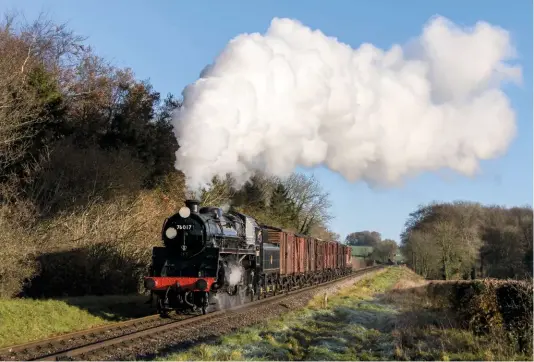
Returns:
<point x="114" y="307"/>
<point x="97" y="278"/>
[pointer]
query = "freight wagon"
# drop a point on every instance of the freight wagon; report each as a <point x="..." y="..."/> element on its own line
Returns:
<point x="303" y="260"/>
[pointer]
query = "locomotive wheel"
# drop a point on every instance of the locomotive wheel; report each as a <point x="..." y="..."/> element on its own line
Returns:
<point x="241" y="293"/>
<point x="162" y="311"/>
<point x="205" y="302"/>
<point x="251" y="295"/>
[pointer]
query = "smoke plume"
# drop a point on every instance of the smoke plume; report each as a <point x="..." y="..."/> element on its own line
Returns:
<point x="295" y="97"/>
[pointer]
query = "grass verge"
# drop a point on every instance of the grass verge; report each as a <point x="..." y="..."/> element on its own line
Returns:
<point x="25" y="320"/>
<point x="385" y="316"/>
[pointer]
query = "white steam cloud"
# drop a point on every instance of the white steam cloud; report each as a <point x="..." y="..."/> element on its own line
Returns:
<point x="234" y="274"/>
<point x="225" y="207"/>
<point x="294" y="96"/>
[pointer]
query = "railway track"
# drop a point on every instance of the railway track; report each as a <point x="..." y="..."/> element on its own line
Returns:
<point x="64" y="342"/>
<point x="95" y="343"/>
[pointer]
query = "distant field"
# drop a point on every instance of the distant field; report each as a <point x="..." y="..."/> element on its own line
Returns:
<point x="24" y="320"/>
<point x="387" y="316"/>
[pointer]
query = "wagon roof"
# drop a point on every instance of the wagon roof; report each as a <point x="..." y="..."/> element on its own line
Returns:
<point x="270" y="227"/>
<point x="296" y="234"/>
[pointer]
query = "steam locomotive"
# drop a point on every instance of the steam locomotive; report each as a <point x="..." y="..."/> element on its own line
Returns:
<point x="207" y="251"/>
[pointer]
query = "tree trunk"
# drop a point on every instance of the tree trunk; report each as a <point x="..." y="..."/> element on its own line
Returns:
<point x="445" y="269"/>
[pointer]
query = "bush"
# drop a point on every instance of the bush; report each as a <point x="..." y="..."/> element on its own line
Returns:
<point x="103" y="248"/>
<point x="488" y="306"/>
<point x="17" y="263"/>
<point x="478" y="305"/>
<point x="515" y="305"/>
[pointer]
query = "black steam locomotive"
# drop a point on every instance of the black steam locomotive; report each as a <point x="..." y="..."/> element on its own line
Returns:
<point x="210" y="254"/>
<point x="202" y="247"/>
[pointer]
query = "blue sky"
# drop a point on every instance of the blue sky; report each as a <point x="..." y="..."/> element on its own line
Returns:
<point x="171" y="41"/>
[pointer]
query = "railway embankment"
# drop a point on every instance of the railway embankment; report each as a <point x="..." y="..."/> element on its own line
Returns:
<point x="392" y="314"/>
<point x="23" y="320"/>
<point x="149" y="337"/>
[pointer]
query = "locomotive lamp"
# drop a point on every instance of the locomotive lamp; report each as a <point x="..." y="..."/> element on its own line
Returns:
<point x="171" y="233"/>
<point x="184" y="212"/>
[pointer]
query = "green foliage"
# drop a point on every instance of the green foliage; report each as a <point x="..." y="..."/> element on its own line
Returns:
<point x="364" y="251"/>
<point x="46" y="87"/>
<point x="276" y="209"/>
<point x="282" y="207"/>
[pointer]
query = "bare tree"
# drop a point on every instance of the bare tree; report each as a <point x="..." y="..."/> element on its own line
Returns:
<point x="30" y="67"/>
<point x="19" y="101"/>
<point x="385" y="250"/>
<point x="421" y="253"/>
<point x="466" y="239"/>
<point x="312" y="203"/>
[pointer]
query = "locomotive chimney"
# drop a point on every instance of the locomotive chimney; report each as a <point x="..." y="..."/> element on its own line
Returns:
<point x="192" y="205"/>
